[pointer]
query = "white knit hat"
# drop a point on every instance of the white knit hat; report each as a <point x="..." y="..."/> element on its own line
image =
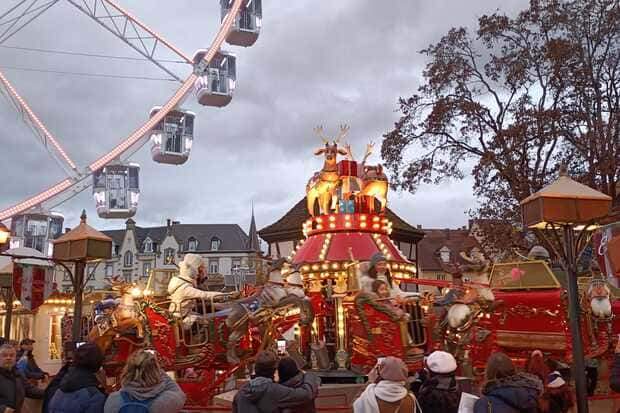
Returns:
<point x="294" y="279"/>
<point x="192" y="262"/>
<point x="441" y="362"/>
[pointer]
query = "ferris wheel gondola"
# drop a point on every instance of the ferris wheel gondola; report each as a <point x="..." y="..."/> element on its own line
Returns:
<point x="172" y="138"/>
<point x="116" y="189"/>
<point x="248" y="22"/>
<point x="216" y="69"/>
<point x="216" y="82"/>
<point x="36" y="229"/>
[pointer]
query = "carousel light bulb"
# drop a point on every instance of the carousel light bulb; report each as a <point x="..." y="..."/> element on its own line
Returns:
<point x="362" y="217"/>
<point x="136" y="292"/>
<point x="347" y="224"/>
<point x="319" y="220"/>
<point x="362" y="225"/>
<point x="335" y="266"/>
<point x="347" y="217"/>
<point x="332" y="218"/>
<point x="332" y="225"/>
<point x="319" y="226"/>
<point x="375" y="226"/>
<point x="375" y="219"/>
<point x="325" y="266"/>
<point x="315" y="267"/>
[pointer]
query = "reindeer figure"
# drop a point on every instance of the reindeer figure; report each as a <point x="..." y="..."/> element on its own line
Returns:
<point x="322" y="186"/>
<point x="374" y="181"/>
<point x="124" y="317"/>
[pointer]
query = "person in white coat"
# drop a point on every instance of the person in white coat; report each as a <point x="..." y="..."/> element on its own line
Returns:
<point x="182" y="289"/>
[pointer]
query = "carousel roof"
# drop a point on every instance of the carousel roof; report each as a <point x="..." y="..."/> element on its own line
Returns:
<point x="289" y="227"/>
<point x="362" y="245"/>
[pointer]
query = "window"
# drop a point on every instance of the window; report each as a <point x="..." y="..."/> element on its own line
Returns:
<point x="90" y="272"/>
<point x="214" y="266"/>
<point x="192" y="244"/>
<point x="116" y="249"/>
<point x="441" y="277"/>
<point x="65" y="276"/>
<point x="215" y="244"/>
<point x="148" y="245"/>
<point x="236" y="264"/>
<point x="146" y="267"/>
<point x="109" y="270"/>
<point x="128" y="259"/>
<point x="168" y="255"/>
<point x="444" y="254"/>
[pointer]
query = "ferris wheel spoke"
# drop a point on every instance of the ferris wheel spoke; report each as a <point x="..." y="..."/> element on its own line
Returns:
<point x="130" y="30"/>
<point x="31" y="119"/>
<point x="37" y="11"/>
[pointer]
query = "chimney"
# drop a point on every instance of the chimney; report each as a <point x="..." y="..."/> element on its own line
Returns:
<point x="168" y="222"/>
<point x="176" y="222"/>
<point x="67" y="230"/>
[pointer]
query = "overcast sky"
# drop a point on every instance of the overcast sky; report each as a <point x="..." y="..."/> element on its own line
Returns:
<point x="315" y="62"/>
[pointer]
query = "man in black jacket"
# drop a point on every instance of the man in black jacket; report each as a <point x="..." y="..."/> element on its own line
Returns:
<point x="13" y="386"/>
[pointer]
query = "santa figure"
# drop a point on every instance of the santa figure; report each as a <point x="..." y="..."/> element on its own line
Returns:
<point x="183" y="289"/>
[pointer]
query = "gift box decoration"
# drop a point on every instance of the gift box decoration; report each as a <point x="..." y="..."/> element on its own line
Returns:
<point x="347" y="168"/>
<point x="346" y="206"/>
<point x="349" y="185"/>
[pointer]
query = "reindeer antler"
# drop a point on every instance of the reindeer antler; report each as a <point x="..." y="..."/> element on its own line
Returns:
<point x="369" y="148"/>
<point x="344" y="129"/>
<point x="319" y="131"/>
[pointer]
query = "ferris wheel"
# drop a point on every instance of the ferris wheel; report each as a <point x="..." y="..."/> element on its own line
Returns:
<point x="169" y="128"/>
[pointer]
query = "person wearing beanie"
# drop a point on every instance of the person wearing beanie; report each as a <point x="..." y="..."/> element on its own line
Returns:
<point x="262" y="395"/>
<point x="289" y="375"/>
<point x="377" y="269"/>
<point x="183" y="289"/>
<point x="388" y="393"/>
<point x="557" y="397"/>
<point x="439" y="392"/>
<point x="80" y="390"/>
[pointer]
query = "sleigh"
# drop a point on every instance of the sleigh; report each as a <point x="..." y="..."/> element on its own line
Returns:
<point x="375" y="331"/>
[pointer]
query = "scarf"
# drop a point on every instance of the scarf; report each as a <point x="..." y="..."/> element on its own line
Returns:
<point x="389" y="391"/>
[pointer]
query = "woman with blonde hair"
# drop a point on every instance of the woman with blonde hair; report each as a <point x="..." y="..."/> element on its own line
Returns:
<point x="146" y="388"/>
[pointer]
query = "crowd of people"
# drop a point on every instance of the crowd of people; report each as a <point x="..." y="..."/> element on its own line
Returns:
<point x="79" y="386"/>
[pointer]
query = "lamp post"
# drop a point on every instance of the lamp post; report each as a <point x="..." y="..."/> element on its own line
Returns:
<point x="568" y="207"/>
<point x="83" y="243"/>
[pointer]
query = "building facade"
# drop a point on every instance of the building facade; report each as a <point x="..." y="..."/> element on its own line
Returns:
<point x="228" y="252"/>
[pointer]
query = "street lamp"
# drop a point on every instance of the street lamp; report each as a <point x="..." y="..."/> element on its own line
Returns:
<point x="571" y="207"/>
<point x="83" y="243"/>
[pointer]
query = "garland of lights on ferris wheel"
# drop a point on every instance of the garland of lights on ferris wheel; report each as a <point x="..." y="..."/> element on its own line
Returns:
<point x="169" y="128"/>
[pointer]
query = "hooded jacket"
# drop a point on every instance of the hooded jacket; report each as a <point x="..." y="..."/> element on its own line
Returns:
<point x="439" y="393"/>
<point x="296" y="382"/>
<point x="514" y="394"/>
<point x="13" y="388"/>
<point x="78" y="393"/>
<point x="262" y="395"/>
<point x="167" y="396"/>
<point x="182" y="290"/>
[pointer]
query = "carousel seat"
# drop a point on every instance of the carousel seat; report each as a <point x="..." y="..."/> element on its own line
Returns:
<point x="375" y="331"/>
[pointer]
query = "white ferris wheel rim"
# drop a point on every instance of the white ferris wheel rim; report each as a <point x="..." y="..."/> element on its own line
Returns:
<point x="129" y="142"/>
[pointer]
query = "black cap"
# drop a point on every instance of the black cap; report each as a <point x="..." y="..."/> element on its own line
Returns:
<point x="26" y="341"/>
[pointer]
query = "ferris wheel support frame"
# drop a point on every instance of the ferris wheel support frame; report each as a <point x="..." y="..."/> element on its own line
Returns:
<point x="63" y="186"/>
<point x="29" y="10"/>
<point x="122" y="22"/>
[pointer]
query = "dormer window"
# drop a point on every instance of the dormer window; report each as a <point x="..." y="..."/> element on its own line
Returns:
<point x="116" y="249"/>
<point x="192" y="244"/>
<point x="148" y="245"/>
<point x="169" y="256"/>
<point x="215" y="244"/>
<point x="444" y="254"/>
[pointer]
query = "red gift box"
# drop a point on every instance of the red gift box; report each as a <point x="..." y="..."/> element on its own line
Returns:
<point x="347" y="168"/>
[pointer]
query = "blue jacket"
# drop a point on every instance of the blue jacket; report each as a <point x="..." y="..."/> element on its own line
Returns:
<point x="513" y="394"/>
<point x="78" y="393"/>
<point x="29" y="367"/>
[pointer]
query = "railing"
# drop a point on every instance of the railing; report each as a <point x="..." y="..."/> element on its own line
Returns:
<point x="415" y="325"/>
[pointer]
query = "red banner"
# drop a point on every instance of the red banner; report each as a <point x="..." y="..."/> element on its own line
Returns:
<point x="32" y="284"/>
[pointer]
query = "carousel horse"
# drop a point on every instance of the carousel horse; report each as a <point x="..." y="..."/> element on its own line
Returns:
<point x="260" y="308"/>
<point x="123" y="320"/>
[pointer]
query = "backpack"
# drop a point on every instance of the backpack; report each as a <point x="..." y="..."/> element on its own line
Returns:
<point x="134" y="406"/>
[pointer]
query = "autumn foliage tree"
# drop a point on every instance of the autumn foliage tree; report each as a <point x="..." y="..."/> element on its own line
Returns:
<point x="511" y="103"/>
